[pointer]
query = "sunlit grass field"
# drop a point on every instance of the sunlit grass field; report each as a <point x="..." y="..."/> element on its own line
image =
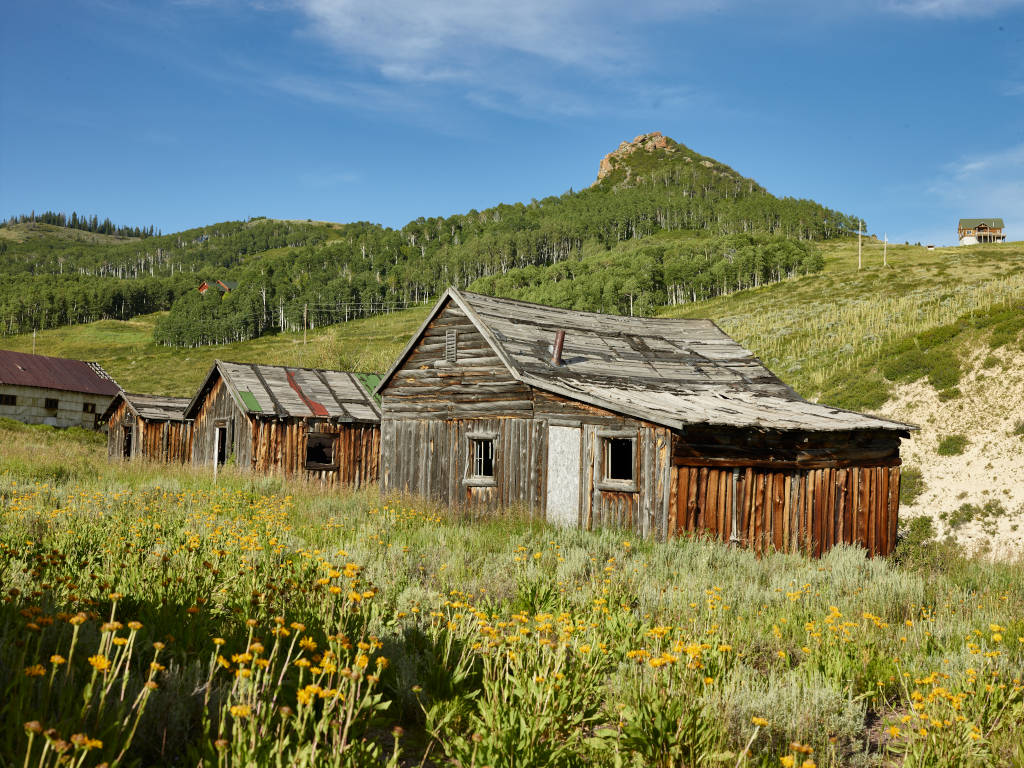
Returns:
<point x="127" y="352"/>
<point x="843" y="336"/>
<point x="152" y="617"/>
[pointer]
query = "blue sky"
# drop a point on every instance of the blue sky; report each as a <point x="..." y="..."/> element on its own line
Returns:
<point x="909" y="113"/>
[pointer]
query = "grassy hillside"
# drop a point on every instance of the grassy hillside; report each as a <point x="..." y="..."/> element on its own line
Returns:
<point x="843" y="335"/>
<point x="290" y="270"/>
<point x="127" y="352"/>
<point x="847" y="335"/>
<point x="152" y="617"/>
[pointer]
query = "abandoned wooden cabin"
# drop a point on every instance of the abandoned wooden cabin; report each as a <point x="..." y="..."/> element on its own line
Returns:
<point x="38" y="389"/>
<point x="148" y="427"/>
<point x="667" y="427"/>
<point x="305" y="422"/>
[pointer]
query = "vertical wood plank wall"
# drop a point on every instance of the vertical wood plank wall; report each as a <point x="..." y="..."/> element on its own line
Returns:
<point x="216" y="407"/>
<point x="280" y="445"/>
<point x="791" y="510"/>
<point x="166" y="441"/>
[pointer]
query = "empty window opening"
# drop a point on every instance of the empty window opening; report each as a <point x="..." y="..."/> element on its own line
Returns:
<point x="618" y="458"/>
<point x="451" y="346"/>
<point x="222" y="445"/>
<point x="126" y="445"/>
<point x="8" y="400"/>
<point x="483" y="458"/>
<point x="51" y="404"/>
<point x="320" y="450"/>
<point x="88" y="407"/>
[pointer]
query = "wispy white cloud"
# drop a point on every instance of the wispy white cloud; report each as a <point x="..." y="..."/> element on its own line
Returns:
<point x="523" y="58"/>
<point x="529" y="58"/>
<point x="950" y="8"/>
<point x="1014" y="89"/>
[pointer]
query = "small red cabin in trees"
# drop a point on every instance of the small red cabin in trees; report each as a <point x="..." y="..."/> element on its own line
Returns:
<point x="224" y="286"/>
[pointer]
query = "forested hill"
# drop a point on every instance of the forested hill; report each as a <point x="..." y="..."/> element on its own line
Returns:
<point x="651" y="187"/>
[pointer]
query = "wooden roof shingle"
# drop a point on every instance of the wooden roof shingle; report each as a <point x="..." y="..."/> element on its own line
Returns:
<point x="677" y="373"/>
<point x="288" y="392"/>
<point x="150" y="407"/>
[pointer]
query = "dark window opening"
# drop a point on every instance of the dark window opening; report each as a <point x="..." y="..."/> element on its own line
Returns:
<point x="88" y="407"/>
<point x="320" y="450"/>
<point x="8" y="400"/>
<point x="483" y="458"/>
<point x="618" y="458"/>
<point x="222" y="445"/>
<point x="51" y="404"/>
<point x="126" y="446"/>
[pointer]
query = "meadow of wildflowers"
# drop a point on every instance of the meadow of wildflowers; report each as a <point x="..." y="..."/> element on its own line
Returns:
<point x="150" y="617"/>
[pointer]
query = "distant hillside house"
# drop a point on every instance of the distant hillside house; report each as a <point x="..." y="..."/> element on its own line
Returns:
<point x="316" y="424"/>
<point x="36" y="389"/>
<point x="224" y="286"/>
<point x="974" y="231"/>
<point x="664" y="427"/>
<point x="148" y="427"/>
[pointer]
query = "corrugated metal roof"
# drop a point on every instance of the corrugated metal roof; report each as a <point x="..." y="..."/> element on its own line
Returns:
<point x="283" y="391"/>
<point x="671" y="372"/>
<point x="150" y="407"/>
<point x="25" y="370"/>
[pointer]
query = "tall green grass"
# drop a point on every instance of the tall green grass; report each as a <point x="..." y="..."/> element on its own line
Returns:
<point x="506" y="641"/>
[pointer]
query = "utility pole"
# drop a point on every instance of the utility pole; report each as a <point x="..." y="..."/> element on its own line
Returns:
<point x="885" y="251"/>
<point x="860" y="230"/>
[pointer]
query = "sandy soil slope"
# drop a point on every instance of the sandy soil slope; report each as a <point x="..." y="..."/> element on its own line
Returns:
<point x="991" y="466"/>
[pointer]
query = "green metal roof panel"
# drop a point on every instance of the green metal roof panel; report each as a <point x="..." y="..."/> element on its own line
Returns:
<point x="973" y="223"/>
<point x="370" y="381"/>
<point x="249" y="399"/>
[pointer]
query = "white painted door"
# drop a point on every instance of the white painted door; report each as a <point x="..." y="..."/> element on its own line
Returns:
<point x="563" y="501"/>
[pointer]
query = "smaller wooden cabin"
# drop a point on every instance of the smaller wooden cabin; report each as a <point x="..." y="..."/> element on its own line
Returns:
<point x="37" y="389"/>
<point x="148" y="427"/>
<point x="666" y="427"/>
<point x="301" y="422"/>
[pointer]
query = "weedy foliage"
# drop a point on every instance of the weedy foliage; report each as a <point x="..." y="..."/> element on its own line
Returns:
<point x="169" y="621"/>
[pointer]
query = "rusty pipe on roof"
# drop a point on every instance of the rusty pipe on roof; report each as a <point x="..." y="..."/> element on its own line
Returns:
<point x="556" y="354"/>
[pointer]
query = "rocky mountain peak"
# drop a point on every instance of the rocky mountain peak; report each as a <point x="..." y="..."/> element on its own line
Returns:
<point x="646" y="142"/>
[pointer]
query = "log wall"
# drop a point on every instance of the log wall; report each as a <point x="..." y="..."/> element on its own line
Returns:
<point x="432" y="406"/>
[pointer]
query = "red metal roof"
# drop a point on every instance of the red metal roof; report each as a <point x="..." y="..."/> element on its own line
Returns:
<point x="24" y="370"/>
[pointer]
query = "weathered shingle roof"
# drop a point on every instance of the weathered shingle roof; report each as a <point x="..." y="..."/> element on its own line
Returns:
<point x="25" y="370"/>
<point x="150" y="407"/>
<point x="973" y="223"/>
<point x="676" y="373"/>
<point x="286" y="392"/>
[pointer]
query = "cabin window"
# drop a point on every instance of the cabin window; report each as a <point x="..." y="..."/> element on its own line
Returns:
<point x="51" y="404"/>
<point x="8" y="399"/>
<point x="321" y="450"/>
<point x="451" y="346"/>
<point x="88" y="407"/>
<point x="617" y="471"/>
<point x="481" y="459"/>
<point x="618" y="458"/>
